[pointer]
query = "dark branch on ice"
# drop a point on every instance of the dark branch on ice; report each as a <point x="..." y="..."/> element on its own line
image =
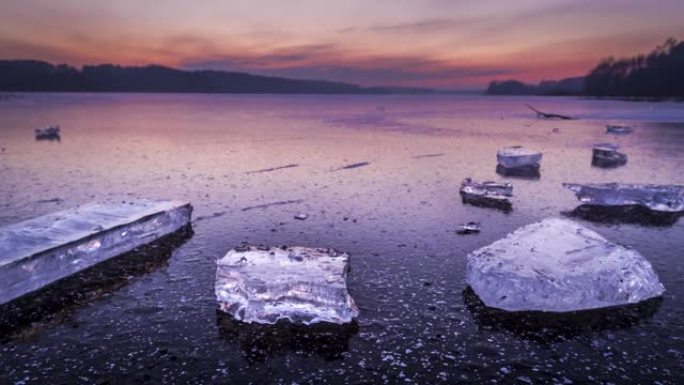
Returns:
<point x="273" y="169"/>
<point x="547" y="115"/>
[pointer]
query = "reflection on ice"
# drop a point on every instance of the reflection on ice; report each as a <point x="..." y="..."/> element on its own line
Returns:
<point x="60" y="299"/>
<point x="531" y="173"/>
<point x="258" y="342"/>
<point x="624" y="214"/>
<point x="548" y="327"/>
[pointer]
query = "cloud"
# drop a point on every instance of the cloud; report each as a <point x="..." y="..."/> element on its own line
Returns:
<point x="326" y="62"/>
<point x="420" y="26"/>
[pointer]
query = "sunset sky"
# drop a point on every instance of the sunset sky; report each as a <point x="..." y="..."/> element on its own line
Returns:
<point x="431" y="43"/>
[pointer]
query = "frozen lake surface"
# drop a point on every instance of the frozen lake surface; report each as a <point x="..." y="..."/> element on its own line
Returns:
<point x="379" y="178"/>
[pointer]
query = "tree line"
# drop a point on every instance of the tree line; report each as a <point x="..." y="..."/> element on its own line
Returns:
<point x="657" y="74"/>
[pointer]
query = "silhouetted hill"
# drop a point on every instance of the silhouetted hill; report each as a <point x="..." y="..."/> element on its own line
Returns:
<point x="659" y="74"/>
<point x="32" y="75"/>
<point x="568" y="86"/>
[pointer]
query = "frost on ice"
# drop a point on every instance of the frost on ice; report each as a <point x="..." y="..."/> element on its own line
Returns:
<point x="40" y="251"/>
<point x="557" y="265"/>
<point x="660" y="198"/>
<point x="299" y="284"/>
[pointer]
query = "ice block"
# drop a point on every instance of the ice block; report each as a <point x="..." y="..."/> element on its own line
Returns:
<point x="40" y="251"/>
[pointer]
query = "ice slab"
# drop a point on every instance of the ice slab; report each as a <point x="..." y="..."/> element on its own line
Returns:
<point x="557" y="265"/>
<point x="661" y="198"/>
<point x="607" y="155"/>
<point x="39" y="251"/>
<point x="518" y="157"/>
<point x="299" y="284"/>
<point x="489" y="194"/>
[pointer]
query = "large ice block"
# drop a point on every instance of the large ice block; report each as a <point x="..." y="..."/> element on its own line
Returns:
<point x="518" y="157"/>
<point x="39" y="251"/>
<point x="298" y="284"/>
<point x="557" y="265"/>
<point x="661" y="198"/>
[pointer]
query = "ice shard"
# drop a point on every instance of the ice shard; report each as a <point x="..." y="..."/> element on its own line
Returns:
<point x="557" y="265"/>
<point x="469" y="228"/>
<point x="488" y="194"/>
<point x="659" y="198"/>
<point x="518" y="157"/>
<point x="298" y="284"/>
<point x="40" y="251"/>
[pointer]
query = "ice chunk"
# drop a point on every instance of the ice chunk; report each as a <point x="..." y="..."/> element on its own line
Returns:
<point x="39" y="251"/>
<point x="517" y="157"/>
<point x="469" y="228"/>
<point x="490" y="194"/>
<point x="299" y="284"/>
<point x="48" y="133"/>
<point x="619" y="129"/>
<point x="607" y="155"/>
<point x="557" y="265"/>
<point x="662" y="198"/>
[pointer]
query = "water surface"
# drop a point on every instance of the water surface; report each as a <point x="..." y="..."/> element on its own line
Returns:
<point x="378" y="177"/>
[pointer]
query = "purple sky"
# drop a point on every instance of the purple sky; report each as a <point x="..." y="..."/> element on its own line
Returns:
<point x="431" y="43"/>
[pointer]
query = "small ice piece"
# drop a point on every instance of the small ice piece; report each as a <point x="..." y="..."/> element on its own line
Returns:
<point x="557" y="265"/>
<point x="301" y="217"/>
<point x="619" y="129"/>
<point x="40" y="251"/>
<point x="48" y="133"/>
<point x="660" y="198"/>
<point x="486" y="193"/>
<point x="518" y="157"/>
<point x="469" y="228"/>
<point x="607" y="155"/>
<point x="299" y="284"/>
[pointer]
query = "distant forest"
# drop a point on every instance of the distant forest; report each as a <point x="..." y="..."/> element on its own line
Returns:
<point x="32" y="75"/>
<point x="659" y="74"/>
